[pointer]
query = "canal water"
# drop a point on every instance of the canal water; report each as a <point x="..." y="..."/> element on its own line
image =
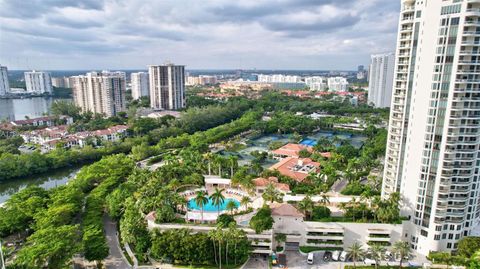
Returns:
<point x="18" y="109"/>
<point x="46" y="181"/>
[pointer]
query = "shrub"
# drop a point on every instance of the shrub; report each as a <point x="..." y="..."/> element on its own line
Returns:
<point x="224" y="220"/>
<point x="321" y="212"/>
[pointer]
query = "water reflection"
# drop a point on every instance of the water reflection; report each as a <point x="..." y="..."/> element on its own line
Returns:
<point x="46" y="181"/>
<point x="17" y="109"/>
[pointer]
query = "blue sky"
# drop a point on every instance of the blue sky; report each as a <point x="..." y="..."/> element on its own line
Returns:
<point x="201" y="34"/>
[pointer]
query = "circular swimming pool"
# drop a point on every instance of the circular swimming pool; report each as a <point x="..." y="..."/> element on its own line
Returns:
<point x="210" y="207"/>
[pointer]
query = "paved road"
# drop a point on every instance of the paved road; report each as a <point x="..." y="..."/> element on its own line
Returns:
<point x="115" y="258"/>
<point x="339" y="185"/>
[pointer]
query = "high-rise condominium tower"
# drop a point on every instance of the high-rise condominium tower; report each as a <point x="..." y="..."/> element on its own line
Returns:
<point x="381" y="79"/>
<point x="167" y="86"/>
<point x="38" y="82"/>
<point x="432" y="155"/>
<point x="139" y="85"/>
<point x="102" y="93"/>
<point x="4" y="86"/>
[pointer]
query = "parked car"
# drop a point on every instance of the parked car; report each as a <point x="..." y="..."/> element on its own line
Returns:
<point x="368" y="261"/>
<point x="335" y="255"/>
<point x="343" y="256"/>
<point x="327" y="256"/>
<point x="310" y="258"/>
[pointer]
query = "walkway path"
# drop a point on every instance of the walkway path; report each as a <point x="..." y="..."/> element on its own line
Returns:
<point x="115" y="259"/>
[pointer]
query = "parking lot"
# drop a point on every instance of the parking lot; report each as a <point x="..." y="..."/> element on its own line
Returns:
<point x="295" y="260"/>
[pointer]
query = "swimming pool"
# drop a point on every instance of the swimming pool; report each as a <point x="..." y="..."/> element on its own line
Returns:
<point x="209" y="207"/>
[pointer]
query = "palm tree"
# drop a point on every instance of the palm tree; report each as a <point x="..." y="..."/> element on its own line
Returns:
<point x="355" y="252"/>
<point x="306" y="205"/>
<point x="271" y="194"/>
<point x="217" y="198"/>
<point x="201" y="199"/>
<point x="324" y="200"/>
<point x="403" y="249"/>
<point x="376" y="252"/>
<point x="245" y="201"/>
<point x="231" y="206"/>
<point x="233" y="161"/>
<point x="209" y="156"/>
<point x="219" y="160"/>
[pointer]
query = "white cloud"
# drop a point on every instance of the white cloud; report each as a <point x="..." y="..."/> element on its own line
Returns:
<point x="93" y="34"/>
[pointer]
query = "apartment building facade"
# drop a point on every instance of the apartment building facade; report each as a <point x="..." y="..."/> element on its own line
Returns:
<point x="38" y="82"/>
<point x="167" y="86"/>
<point x="4" y="85"/>
<point x="139" y="82"/>
<point x="102" y="93"/>
<point x="432" y="156"/>
<point x="380" y="84"/>
<point x="337" y="84"/>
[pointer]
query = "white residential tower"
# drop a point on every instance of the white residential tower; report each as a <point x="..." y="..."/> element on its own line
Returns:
<point x="4" y="86"/>
<point x="38" y="82"/>
<point x="102" y="93"/>
<point x="167" y="86"/>
<point x="139" y="85"/>
<point x="432" y="156"/>
<point x="381" y="79"/>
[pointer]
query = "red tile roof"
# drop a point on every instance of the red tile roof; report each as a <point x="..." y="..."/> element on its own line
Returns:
<point x="296" y="168"/>
<point x="286" y="210"/>
<point x="291" y="150"/>
<point x="326" y="154"/>
<point x="263" y="182"/>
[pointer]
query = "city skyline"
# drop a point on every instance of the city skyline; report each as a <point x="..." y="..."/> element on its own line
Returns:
<point x="298" y="34"/>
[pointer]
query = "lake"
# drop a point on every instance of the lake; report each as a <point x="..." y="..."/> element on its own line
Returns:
<point x="46" y="181"/>
<point x="17" y="109"/>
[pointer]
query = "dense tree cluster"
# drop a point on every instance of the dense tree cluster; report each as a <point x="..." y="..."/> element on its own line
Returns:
<point x="228" y="246"/>
<point x="49" y="218"/>
<point x="262" y="220"/>
<point x="21" y="165"/>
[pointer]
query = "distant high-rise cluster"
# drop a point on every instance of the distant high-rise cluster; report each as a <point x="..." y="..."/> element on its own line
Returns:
<point x="4" y="86"/>
<point x="381" y="79"/>
<point x="62" y="82"/>
<point x="316" y="83"/>
<point x="337" y="84"/>
<point x="201" y="80"/>
<point x="38" y="82"/>
<point x="102" y="93"/>
<point x="279" y="78"/>
<point x="167" y="86"/>
<point x="433" y="156"/>
<point x="361" y="72"/>
<point x="139" y="82"/>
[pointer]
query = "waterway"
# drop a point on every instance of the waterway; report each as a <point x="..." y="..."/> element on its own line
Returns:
<point x="18" y="109"/>
<point x="46" y="181"/>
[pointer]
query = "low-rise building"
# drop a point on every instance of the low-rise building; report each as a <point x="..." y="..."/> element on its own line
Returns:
<point x="262" y="183"/>
<point x="43" y="121"/>
<point x="296" y="168"/>
<point x="290" y="222"/>
<point x="51" y="137"/>
<point x="7" y="130"/>
<point x="290" y="150"/>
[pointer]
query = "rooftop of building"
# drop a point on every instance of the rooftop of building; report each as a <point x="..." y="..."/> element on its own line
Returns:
<point x="285" y="210"/>
<point x="291" y="150"/>
<point x="296" y="168"/>
<point x="263" y="182"/>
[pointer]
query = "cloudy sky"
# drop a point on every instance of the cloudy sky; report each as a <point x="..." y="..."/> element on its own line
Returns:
<point x="202" y="34"/>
